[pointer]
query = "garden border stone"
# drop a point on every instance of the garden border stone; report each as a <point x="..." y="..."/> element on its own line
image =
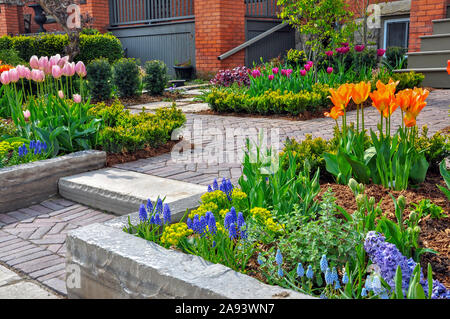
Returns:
<point x="31" y="183"/>
<point x="113" y="264"/>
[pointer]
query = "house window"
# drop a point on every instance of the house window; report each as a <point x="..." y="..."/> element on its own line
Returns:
<point x="396" y="33"/>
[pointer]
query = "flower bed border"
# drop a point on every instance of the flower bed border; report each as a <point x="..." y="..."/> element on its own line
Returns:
<point x="110" y="263"/>
<point x="31" y="183"/>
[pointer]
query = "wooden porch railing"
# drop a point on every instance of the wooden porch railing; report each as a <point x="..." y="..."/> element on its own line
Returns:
<point x="123" y="12"/>
<point x="261" y="8"/>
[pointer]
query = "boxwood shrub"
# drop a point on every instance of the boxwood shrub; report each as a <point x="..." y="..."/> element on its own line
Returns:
<point x="92" y="46"/>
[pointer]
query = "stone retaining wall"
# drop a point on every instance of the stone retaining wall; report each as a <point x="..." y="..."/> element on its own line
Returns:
<point x="102" y="261"/>
<point x="27" y="184"/>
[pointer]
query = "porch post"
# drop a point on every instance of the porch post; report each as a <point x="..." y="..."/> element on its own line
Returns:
<point x="219" y="27"/>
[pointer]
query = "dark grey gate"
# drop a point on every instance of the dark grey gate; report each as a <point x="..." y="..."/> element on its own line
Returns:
<point x="155" y="29"/>
<point x="271" y="46"/>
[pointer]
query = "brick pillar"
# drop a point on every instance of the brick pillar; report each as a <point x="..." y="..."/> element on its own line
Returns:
<point x="422" y="13"/>
<point x="219" y="27"/>
<point x="99" y="10"/>
<point x="11" y="19"/>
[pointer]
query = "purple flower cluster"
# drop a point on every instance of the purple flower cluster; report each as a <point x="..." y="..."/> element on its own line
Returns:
<point x="36" y="147"/>
<point x="155" y="214"/>
<point x="225" y="186"/>
<point x="387" y="257"/>
<point x="235" y="224"/>
<point x="198" y="224"/>
<point x="239" y="75"/>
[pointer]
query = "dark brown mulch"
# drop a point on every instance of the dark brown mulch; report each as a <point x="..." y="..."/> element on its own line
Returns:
<point x="120" y="158"/>
<point x="304" y="116"/>
<point x="146" y="98"/>
<point x="435" y="233"/>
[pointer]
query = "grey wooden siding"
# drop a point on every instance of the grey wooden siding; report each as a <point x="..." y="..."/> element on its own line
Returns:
<point x="270" y="47"/>
<point x="171" y="42"/>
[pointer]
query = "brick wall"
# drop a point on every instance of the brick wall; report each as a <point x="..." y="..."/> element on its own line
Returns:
<point x="219" y="27"/>
<point x="12" y="17"/>
<point x="422" y="14"/>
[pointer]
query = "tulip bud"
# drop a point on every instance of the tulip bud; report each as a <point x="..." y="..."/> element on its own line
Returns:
<point x="80" y="68"/>
<point x="56" y="71"/>
<point x="26" y="115"/>
<point x="4" y="78"/>
<point x="61" y="94"/>
<point x="360" y="200"/>
<point x="401" y="202"/>
<point x="13" y="75"/>
<point x="371" y="201"/>
<point x="416" y="230"/>
<point x="353" y="184"/>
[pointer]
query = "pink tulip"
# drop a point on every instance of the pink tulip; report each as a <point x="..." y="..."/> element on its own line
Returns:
<point x="329" y="70"/>
<point x="359" y="48"/>
<point x="54" y="60"/>
<point x="26" y="115"/>
<point x="43" y="62"/>
<point x="302" y="72"/>
<point x="4" y="78"/>
<point x="271" y="77"/>
<point x="37" y="75"/>
<point x="329" y="53"/>
<point x="283" y="72"/>
<point x="34" y="62"/>
<point x="310" y="63"/>
<point x="275" y="70"/>
<point x="77" y="98"/>
<point x="80" y="68"/>
<point x="256" y="73"/>
<point x="63" y="61"/>
<point x="61" y="94"/>
<point x="21" y="71"/>
<point x="13" y="75"/>
<point x="307" y="67"/>
<point x="69" y="69"/>
<point x="28" y="74"/>
<point x="56" y="72"/>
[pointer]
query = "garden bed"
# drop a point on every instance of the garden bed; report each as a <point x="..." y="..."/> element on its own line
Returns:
<point x="115" y="264"/>
<point x="435" y="233"/>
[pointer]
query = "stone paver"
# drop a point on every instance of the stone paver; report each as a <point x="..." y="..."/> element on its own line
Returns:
<point x="35" y="246"/>
<point x="196" y="168"/>
<point x="13" y="286"/>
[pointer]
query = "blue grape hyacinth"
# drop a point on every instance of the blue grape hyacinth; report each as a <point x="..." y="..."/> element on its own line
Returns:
<point x="324" y="263"/>
<point x="309" y="272"/>
<point x="300" y="270"/>
<point x="143" y="213"/>
<point x="279" y="258"/>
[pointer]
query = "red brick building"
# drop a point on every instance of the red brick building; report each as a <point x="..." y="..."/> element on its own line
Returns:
<point x="202" y="30"/>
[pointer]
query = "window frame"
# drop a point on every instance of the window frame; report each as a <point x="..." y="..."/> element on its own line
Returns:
<point x="394" y="21"/>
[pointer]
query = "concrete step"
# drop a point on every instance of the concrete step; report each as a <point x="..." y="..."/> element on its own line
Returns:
<point x="441" y="26"/>
<point x="121" y="191"/>
<point x="434" y="77"/>
<point x="428" y="59"/>
<point x="435" y="42"/>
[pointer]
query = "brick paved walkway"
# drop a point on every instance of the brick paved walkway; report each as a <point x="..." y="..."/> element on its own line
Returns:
<point x="434" y="115"/>
<point x="32" y="239"/>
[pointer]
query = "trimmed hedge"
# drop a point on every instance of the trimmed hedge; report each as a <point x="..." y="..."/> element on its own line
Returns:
<point x="91" y="46"/>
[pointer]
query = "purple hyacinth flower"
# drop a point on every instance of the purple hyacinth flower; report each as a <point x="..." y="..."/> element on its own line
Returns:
<point x="149" y="206"/>
<point x="142" y="213"/>
<point x="166" y="214"/>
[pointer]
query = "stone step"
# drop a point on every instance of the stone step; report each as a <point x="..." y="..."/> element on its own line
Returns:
<point x="434" y="77"/>
<point x="441" y="26"/>
<point x="428" y="59"/>
<point x="122" y="191"/>
<point x="435" y="42"/>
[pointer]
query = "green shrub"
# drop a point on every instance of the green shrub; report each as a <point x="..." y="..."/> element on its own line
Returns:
<point x="155" y="79"/>
<point x="436" y="147"/>
<point x="126" y="132"/>
<point x="367" y="58"/>
<point x="100" y="45"/>
<point x="272" y="102"/>
<point x="408" y="80"/>
<point x="296" y="57"/>
<point x="395" y="58"/>
<point x="99" y="79"/>
<point x="92" y="46"/>
<point x="11" y="57"/>
<point x="308" y="151"/>
<point x="126" y="77"/>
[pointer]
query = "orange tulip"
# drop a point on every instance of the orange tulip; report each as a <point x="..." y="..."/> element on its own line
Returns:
<point x="403" y="99"/>
<point x="448" y="66"/>
<point x="334" y="113"/>
<point x="383" y="99"/>
<point x="360" y="92"/>
<point x="419" y="96"/>
<point x="341" y="97"/>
